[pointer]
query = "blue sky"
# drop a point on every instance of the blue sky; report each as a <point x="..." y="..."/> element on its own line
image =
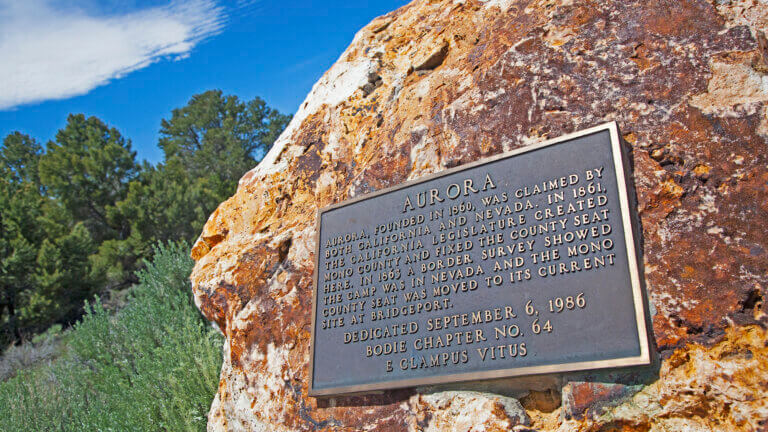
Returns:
<point x="131" y="62"/>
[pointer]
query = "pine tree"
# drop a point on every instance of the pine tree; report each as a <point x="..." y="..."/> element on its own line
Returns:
<point x="208" y="145"/>
<point x="21" y="204"/>
<point x="87" y="169"/>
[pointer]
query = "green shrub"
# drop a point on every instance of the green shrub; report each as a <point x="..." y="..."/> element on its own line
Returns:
<point x="151" y="367"/>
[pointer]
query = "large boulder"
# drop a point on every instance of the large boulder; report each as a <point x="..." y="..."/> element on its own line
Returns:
<point x="436" y="84"/>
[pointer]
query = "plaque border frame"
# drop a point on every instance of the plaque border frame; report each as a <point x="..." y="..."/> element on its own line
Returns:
<point x="630" y="224"/>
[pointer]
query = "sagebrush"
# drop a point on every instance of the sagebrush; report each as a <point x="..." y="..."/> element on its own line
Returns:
<point x="153" y="366"/>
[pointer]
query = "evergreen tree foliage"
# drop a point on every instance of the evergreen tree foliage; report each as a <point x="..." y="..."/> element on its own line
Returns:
<point x="62" y="279"/>
<point x="78" y="217"/>
<point x="44" y="256"/>
<point x="19" y="159"/>
<point x="220" y="136"/>
<point x="87" y="169"/>
<point x="21" y="206"/>
<point x="208" y="145"/>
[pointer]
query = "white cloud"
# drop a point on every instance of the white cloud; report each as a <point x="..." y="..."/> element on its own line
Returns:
<point x="48" y="52"/>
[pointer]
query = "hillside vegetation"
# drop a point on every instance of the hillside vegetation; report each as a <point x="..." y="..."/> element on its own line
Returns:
<point x="98" y="329"/>
<point x="152" y="366"/>
<point x="79" y="215"/>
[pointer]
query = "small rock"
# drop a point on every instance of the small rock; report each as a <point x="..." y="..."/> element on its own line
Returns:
<point x="583" y="399"/>
<point x="456" y="411"/>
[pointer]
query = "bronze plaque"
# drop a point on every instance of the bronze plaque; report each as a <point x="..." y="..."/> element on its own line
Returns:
<point x="520" y="264"/>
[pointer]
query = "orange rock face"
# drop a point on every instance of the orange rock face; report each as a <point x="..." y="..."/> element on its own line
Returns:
<point x="437" y="84"/>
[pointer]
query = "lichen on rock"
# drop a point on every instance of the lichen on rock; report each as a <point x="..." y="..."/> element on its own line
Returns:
<point x="437" y="84"/>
